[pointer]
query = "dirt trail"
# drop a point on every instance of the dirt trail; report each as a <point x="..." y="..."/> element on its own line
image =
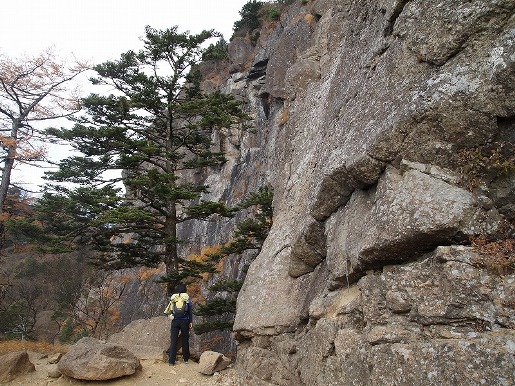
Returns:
<point x="153" y="373"/>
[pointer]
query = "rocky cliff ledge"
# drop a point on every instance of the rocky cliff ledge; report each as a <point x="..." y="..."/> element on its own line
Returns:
<point x="364" y="113"/>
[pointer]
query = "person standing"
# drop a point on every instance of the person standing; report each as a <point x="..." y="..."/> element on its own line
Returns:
<point x="181" y="307"/>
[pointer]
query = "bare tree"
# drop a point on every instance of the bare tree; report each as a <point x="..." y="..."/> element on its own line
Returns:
<point x="96" y="310"/>
<point x="32" y="89"/>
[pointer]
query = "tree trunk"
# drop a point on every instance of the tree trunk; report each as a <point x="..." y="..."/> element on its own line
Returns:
<point x="6" y="176"/>
<point x="172" y="256"/>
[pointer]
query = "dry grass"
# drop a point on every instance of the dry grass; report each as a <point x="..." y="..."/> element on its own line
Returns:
<point x="498" y="256"/>
<point x="24" y="345"/>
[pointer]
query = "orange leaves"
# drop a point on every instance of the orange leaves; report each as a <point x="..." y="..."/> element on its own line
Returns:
<point x="125" y="279"/>
<point x="146" y="273"/>
<point x="309" y="18"/>
<point x="115" y="316"/>
<point x="7" y="141"/>
<point x="32" y="89"/>
<point x="497" y="256"/>
<point x="24" y="149"/>
<point x="35" y="88"/>
<point x="28" y="154"/>
<point x="283" y="118"/>
<point x="204" y="257"/>
<point x="195" y="292"/>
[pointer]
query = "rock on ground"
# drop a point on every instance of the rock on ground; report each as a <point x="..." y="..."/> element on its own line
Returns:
<point x="153" y="372"/>
<point x="14" y="364"/>
<point x="212" y="362"/>
<point x="91" y="360"/>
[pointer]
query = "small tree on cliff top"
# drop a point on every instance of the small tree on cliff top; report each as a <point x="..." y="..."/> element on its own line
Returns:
<point x="157" y="128"/>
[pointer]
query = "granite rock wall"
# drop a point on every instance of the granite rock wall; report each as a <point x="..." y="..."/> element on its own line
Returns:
<point x="362" y="110"/>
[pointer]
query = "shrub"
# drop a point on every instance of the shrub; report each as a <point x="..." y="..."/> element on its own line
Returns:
<point x="215" y="325"/>
<point x="249" y="16"/>
<point x="216" y="51"/>
<point x="252" y="11"/>
<point x="66" y="333"/>
<point x="498" y="256"/>
<point x="486" y="162"/>
<point x="271" y="13"/>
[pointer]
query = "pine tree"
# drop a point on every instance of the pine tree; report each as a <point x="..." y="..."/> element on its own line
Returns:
<point x="157" y="127"/>
<point x="249" y="234"/>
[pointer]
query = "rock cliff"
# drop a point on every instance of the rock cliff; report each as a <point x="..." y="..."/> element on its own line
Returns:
<point x="364" y="112"/>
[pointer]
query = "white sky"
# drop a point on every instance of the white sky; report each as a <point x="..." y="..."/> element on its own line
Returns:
<point x="103" y="29"/>
<point x="100" y="30"/>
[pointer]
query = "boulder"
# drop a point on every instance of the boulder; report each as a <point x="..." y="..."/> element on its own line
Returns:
<point x="15" y="364"/>
<point x="53" y="371"/>
<point x="146" y="338"/>
<point x="145" y="332"/>
<point x="91" y="360"/>
<point x="412" y="210"/>
<point x="55" y="358"/>
<point x="212" y="362"/>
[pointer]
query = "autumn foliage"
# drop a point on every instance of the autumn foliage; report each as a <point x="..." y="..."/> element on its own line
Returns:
<point x="498" y="256"/>
<point x="33" y="90"/>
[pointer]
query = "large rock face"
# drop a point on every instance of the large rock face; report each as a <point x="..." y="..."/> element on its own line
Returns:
<point x="361" y="111"/>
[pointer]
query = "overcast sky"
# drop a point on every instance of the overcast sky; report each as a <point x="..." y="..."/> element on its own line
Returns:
<point x="100" y="30"/>
<point x="103" y="29"/>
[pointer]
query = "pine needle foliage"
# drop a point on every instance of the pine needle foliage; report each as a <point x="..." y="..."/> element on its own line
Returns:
<point x="213" y="325"/>
<point x="249" y="234"/>
<point x="157" y="127"/>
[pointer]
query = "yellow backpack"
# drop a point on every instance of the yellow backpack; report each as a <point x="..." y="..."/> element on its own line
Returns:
<point x="178" y="305"/>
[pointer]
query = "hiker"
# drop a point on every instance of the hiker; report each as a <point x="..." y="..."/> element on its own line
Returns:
<point x="181" y="309"/>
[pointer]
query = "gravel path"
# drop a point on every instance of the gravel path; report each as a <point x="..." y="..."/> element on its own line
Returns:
<point x="153" y="373"/>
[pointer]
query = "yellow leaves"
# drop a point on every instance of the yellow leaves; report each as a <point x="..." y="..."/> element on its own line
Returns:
<point x="204" y="257"/>
<point x="204" y="254"/>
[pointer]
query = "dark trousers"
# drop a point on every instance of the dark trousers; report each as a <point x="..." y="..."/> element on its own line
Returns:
<point x="184" y="327"/>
